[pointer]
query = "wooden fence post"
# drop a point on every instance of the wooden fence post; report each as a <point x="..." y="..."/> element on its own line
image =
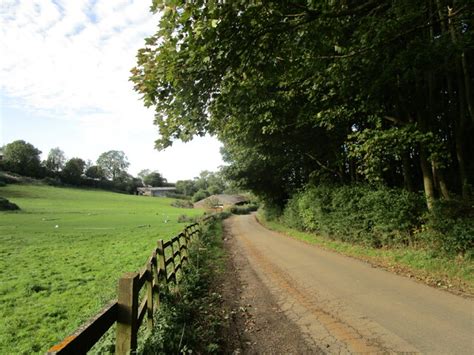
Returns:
<point x="161" y="259"/>
<point x="149" y="295"/>
<point x="156" y="270"/>
<point x="173" y="264"/>
<point x="126" y="341"/>
<point x="185" y="244"/>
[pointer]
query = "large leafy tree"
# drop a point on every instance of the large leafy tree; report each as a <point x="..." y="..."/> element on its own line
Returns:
<point x="55" y="161"/>
<point x="22" y="158"/>
<point x="113" y="163"/>
<point x="73" y="170"/>
<point x="339" y="90"/>
<point x="154" y="179"/>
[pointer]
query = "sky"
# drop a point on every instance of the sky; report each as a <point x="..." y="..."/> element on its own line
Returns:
<point x="64" y="70"/>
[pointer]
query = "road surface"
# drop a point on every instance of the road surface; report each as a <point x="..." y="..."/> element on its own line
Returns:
<point x="342" y="305"/>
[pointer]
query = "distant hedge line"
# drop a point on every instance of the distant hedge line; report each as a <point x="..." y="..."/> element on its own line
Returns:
<point x="381" y="217"/>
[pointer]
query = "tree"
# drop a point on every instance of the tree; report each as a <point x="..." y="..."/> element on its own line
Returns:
<point x="73" y="170"/>
<point x="154" y="179"/>
<point x="55" y="161"/>
<point x="186" y="187"/>
<point x="126" y="182"/>
<point x="22" y="158"/>
<point x="95" y="172"/>
<point x="113" y="163"/>
<point x="295" y="89"/>
<point x="143" y="173"/>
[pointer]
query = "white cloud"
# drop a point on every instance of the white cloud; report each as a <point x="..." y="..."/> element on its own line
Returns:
<point x="71" y="60"/>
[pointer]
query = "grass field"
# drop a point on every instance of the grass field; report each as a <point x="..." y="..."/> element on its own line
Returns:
<point x="62" y="254"/>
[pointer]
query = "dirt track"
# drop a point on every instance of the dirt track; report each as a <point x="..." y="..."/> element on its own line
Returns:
<point x="301" y="298"/>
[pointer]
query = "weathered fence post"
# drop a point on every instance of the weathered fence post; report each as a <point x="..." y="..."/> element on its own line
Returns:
<point x="173" y="264"/>
<point x="161" y="259"/>
<point x="156" y="271"/>
<point x="149" y="295"/>
<point x="185" y="245"/>
<point x="126" y="341"/>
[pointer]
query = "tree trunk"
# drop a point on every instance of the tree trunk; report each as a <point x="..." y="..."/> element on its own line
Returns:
<point x="464" y="70"/>
<point x="427" y="179"/>
<point x="440" y="182"/>
<point x="459" y="125"/>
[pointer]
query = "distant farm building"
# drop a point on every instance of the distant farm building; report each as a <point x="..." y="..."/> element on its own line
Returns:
<point x="155" y="191"/>
<point x="221" y="201"/>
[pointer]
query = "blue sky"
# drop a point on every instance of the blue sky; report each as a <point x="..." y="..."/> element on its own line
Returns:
<point x="64" y="72"/>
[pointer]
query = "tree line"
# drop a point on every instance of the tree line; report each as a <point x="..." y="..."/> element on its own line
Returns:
<point x="311" y="93"/>
<point x="108" y="172"/>
<point x="346" y="91"/>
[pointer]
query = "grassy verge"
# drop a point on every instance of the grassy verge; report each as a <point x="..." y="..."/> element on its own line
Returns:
<point x="62" y="254"/>
<point x="456" y="275"/>
<point x="189" y="319"/>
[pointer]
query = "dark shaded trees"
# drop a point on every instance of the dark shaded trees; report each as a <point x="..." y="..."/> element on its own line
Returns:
<point x="73" y="171"/>
<point x="22" y="158"/>
<point x="154" y="179"/>
<point x="338" y="91"/>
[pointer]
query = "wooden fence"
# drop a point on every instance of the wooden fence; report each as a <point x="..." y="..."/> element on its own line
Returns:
<point x="128" y="311"/>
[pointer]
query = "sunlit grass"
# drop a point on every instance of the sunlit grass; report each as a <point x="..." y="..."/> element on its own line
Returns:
<point x="62" y="254"/>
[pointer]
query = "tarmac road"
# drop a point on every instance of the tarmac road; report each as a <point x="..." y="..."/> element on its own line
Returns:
<point x="343" y="305"/>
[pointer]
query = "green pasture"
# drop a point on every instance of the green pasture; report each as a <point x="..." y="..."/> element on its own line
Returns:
<point x="62" y="254"/>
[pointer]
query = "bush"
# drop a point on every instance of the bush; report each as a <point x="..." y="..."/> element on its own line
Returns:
<point x="190" y="320"/>
<point x="382" y="217"/>
<point x="200" y="195"/>
<point x="6" y="205"/>
<point x="243" y="209"/>
<point x="272" y="212"/>
<point x="358" y="213"/>
<point x="182" y="204"/>
<point x="53" y="181"/>
<point x="186" y="219"/>
<point x="450" y="226"/>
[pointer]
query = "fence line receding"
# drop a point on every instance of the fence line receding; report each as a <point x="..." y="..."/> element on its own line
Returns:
<point x="128" y="311"/>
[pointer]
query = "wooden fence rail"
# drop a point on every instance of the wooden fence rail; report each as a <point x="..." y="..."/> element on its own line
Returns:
<point x="162" y="268"/>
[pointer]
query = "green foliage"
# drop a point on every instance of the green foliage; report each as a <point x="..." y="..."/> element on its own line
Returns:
<point x="377" y="217"/>
<point x="154" y="179"/>
<point x="450" y="227"/>
<point x="244" y="209"/>
<point x="327" y="91"/>
<point x="189" y="320"/>
<point x="375" y="149"/>
<point x="212" y="182"/>
<point x="73" y="170"/>
<point x="95" y="172"/>
<point x="113" y="163"/>
<point x="182" y="204"/>
<point x="22" y="158"/>
<point x="382" y="217"/>
<point x="71" y="270"/>
<point x="200" y="195"/>
<point x="55" y="161"/>
<point x="185" y="218"/>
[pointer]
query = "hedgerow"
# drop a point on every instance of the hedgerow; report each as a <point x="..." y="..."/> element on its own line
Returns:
<point x="381" y="217"/>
